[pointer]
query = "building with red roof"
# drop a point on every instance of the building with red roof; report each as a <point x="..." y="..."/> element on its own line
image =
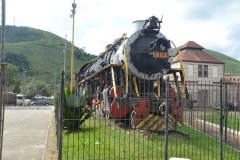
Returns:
<point x="202" y="73"/>
<point x="198" y="64"/>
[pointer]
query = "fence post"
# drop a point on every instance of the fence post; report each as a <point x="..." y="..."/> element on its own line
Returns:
<point x="166" y="118"/>
<point x="221" y="120"/>
<point x="60" y="116"/>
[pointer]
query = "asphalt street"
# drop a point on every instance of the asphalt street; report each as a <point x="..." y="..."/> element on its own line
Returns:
<point x="25" y="133"/>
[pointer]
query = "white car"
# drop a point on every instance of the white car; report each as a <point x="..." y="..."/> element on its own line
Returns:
<point x="27" y="102"/>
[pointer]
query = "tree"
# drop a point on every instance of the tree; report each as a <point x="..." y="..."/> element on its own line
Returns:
<point x="11" y="72"/>
<point x="17" y="89"/>
<point x="17" y="59"/>
<point x="37" y="87"/>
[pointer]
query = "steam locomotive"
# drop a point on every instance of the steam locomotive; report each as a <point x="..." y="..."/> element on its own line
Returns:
<point x="127" y="80"/>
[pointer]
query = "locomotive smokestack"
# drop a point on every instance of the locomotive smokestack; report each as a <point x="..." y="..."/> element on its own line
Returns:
<point x="138" y="24"/>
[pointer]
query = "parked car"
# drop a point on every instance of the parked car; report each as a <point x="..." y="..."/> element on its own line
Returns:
<point x="40" y="102"/>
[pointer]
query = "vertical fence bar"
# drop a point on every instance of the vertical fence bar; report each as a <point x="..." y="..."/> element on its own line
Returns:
<point x="226" y="111"/>
<point x="221" y="120"/>
<point x="2" y="76"/>
<point x="57" y="115"/>
<point x="166" y="119"/>
<point x="60" y="117"/>
<point x="204" y="103"/>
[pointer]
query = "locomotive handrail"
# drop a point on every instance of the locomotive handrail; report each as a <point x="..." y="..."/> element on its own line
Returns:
<point x="96" y="73"/>
<point x="175" y="48"/>
<point x="101" y="54"/>
<point x="126" y="63"/>
<point x="158" y="88"/>
<point x="182" y="68"/>
<point x="113" y="81"/>
<point x="135" y="85"/>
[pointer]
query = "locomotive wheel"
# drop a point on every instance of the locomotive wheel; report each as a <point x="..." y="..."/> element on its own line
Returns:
<point x="133" y="116"/>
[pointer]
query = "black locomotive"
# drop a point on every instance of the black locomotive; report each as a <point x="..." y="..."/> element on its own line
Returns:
<point x="126" y="81"/>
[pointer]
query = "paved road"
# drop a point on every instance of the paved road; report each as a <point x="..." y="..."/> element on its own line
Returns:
<point x="25" y="133"/>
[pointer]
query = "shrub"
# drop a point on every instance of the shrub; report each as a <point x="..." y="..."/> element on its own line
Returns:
<point x="75" y="112"/>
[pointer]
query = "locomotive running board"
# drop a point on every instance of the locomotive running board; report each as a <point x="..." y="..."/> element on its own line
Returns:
<point x="157" y="123"/>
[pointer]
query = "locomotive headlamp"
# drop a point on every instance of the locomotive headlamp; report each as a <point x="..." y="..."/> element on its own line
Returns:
<point x="159" y="48"/>
<point x="162" y="47"/>
<point x="160" y="44"/>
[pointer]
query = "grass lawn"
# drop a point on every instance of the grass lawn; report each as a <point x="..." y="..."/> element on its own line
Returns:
<point x="103" y="139"/>
<point x="233" y="119"/>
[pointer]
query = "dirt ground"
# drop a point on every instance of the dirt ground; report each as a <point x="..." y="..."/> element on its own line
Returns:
<point x="51" y="152"/>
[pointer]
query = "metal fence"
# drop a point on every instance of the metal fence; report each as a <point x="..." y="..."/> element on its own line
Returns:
<point x="210" y="128"/>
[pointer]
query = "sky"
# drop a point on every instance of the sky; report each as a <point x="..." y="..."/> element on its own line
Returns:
<point x="214" y="24"/>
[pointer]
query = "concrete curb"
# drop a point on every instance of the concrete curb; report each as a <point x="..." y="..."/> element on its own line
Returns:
<point x="29" y="107"/>
<point x="218" y="126"/>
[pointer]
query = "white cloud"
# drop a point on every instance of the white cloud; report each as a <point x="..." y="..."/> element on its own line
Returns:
<point x="214" y="25"/>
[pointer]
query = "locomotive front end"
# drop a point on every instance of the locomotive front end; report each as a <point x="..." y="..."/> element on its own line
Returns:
<point x="148" y="51"/>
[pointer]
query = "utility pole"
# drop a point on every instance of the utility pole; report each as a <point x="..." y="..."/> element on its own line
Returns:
<point x="23" y="82"/>
<point x="2" y="77"/>
<point x="72" y="55"/>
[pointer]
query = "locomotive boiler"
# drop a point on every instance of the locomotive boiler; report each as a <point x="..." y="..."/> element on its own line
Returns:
<point x="127" y="81"/>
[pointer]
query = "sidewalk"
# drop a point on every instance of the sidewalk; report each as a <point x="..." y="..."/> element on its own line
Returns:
<point x="25" y="133"/>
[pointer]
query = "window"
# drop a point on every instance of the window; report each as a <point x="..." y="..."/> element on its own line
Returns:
<point x="202" y="70"/>
<point x="199" y="70"/>
<point x="205" y="70"/>
<point x="215" y="72"/>
<point x="190" y="70"/>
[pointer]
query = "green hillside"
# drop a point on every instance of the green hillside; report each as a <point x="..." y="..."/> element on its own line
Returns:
<point x="232" y="66"/>
<point x="40" y="53"/>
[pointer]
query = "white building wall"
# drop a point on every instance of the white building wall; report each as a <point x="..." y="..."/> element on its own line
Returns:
<point x="211" y="77"/>
<point x="199" y="85"/>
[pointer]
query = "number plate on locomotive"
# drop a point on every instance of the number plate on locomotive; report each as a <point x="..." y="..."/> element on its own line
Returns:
<point x="160" y="54"/>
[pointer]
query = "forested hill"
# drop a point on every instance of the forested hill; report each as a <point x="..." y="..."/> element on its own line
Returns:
<point x="39" y="52"/>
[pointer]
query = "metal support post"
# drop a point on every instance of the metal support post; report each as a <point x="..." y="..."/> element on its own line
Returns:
<point x="60" y="117"/>
<point x="221" y="121"/>
<point x="166" y="118"/>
